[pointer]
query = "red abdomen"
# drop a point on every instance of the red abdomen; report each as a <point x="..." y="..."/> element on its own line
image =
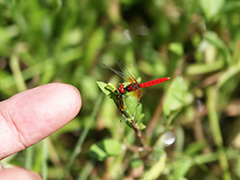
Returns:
<point x="154" y="82"/>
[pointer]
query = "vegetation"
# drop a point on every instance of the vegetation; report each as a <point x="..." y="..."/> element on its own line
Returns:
<point x="195" y="42"/>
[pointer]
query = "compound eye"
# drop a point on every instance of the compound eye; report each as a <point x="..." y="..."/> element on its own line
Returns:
<point x="121" y="89"/>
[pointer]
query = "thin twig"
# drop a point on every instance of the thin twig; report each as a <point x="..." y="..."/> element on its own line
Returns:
<point x="140" y="136"/>
<point x="154" y="120"/>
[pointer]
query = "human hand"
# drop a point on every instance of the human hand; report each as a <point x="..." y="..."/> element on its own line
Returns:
<point x="32" y="115"/>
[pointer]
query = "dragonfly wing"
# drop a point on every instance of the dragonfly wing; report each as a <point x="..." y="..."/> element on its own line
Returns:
<point x="139" y="94"/>
<point x="122" y="75"/>
<point x="123" y="68"/>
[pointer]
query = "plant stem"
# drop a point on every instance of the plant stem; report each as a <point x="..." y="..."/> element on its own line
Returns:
<point x="81" y="139"/>
<point x="140" y="136"/>
<point x="212" y="94"/>
<point x="17" y="74"/>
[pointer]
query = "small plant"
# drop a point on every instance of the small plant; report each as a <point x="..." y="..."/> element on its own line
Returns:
<point x="150" y="158"/>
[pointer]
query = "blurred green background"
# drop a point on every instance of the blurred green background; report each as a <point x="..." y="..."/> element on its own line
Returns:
<point x="195" y="42"/>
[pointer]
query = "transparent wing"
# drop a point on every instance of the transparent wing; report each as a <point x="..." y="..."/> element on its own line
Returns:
<point x="122" y="75"/>
<point x="125" y="71"/>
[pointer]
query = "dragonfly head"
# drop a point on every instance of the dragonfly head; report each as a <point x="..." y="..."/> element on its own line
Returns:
<point x="121" y="89"/>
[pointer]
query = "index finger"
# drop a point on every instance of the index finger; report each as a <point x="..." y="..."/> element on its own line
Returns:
<point x="32" y="115"/>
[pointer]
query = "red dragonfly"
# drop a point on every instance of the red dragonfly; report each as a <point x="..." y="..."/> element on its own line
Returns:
<point x="134" y="86"/>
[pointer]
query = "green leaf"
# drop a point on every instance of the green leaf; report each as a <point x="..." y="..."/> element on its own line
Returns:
<point x="175" y="96"/>
<point x="193" y="148"/>
<point x="131" y="102"/>
<point x="107" y="89"/>
<point x="213" y="39"/>
<point x="140" y="116"/>
<point x="136" y="163"/>
<point x="95" y="43"/>
<point x="102" y="86"/>
<point x="106" y="148"/>
<point x="180" y="167"/>
<point x="156" y="169"/>
<point x="206" y="158"/>
<point x="176" y="48"/>
<point x="211" y="8"/>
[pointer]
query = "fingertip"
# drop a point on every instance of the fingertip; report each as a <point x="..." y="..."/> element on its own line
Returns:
<point x="78" y="98"/>
<point x="18" y="173"/>
<point x="67" y="95"/>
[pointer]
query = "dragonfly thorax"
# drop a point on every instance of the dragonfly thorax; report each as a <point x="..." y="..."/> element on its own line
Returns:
<point x="128" y="88"/>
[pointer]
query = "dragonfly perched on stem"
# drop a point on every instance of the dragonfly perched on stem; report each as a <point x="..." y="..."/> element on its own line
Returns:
<point x="134" y="86"/>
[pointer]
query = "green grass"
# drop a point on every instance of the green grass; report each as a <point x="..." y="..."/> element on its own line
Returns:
<point x="196" y="43"/>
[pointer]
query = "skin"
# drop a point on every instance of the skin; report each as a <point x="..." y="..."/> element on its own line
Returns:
<point x="30" y="116"/>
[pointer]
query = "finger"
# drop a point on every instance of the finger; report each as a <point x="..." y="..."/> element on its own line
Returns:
<point x="18" y="173"/>
<point x="32" y="115"/>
